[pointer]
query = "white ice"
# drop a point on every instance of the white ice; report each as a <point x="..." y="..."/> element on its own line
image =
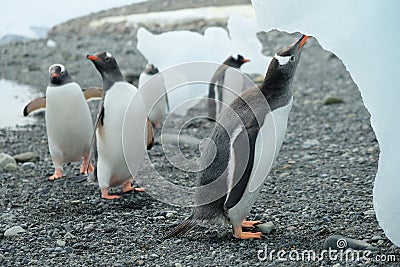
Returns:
<point x="365" y="35"/>
<point x="172" y="48"/>
<point x="13" y="99"/>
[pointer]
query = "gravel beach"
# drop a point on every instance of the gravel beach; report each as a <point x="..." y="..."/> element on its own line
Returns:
<point x="321" y="184"/>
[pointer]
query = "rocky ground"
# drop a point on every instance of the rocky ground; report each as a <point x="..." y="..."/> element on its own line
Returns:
<point x="321" y="184"/>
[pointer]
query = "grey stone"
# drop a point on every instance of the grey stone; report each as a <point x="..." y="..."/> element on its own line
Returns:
<point x="342" y="242"/>
<point x="28" y="166"/>
<point x="60" y="243"/>
<point x="329" y="100"/>
<point x="266" y="227"/>
<point x="6" y="159"/>
<point x="10" y="167"/>
<point x="173" y="139"/>
<point x="89" y="227"/>
<point x="310" y="143"/>
<point x="49" y="250"/>
<point x="27" y="157"/>
<point x="13" y="231"/>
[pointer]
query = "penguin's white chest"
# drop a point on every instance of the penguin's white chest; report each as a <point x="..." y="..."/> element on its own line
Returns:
<point x="268" y="144"/>
<point x="112" y="166"/>
<point x="68" y="122"/>
<point x="154" y="94"/>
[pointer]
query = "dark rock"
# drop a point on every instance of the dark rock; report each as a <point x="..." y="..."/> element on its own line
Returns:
<point x="329" y="100"/>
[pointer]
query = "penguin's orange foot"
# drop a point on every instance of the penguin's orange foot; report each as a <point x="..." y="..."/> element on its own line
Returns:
<point x="238" y="233"/>
<point x="105" y="195"/>
<point x="139" y="189"/>
<point x="157" y="124"/>
<point x="86" y="168"/>
<point x="57" y="175"/>
<point x="250" y="224"/>
<point x="128" y="187"/>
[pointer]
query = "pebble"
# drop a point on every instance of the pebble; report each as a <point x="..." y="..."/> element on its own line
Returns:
<point x="49" y="249"/>
<point x="266" y="227"/>
<point x="341" y="242"/>
<point x="310" y="143"/>
<point x="173" y="139"/>
<point x="13" y="231"/>
<point x="89" y="227"/>
<point x="10" y="167"/>
<point x="6" y="160"/>
<point x="28" y="166"/>
<point x="291" y="228"/>
<point x="177" y="264"/>
<point x="329" y="100"/>
<point x="169" y="215"/>
<point x="27" y="157"/>
<point x="60" y="243"/>
<point x="69" y="235"/>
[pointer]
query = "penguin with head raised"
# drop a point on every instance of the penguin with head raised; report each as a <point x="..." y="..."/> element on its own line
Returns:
<point x="68" y="120"/>
<point x="245" y="142"/>
<point x="225" y="84"/>
<point x="112" y="169"/>
<point x="154" y="94"/>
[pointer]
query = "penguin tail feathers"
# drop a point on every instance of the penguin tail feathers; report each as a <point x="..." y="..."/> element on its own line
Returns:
<point x="182" y="228"/>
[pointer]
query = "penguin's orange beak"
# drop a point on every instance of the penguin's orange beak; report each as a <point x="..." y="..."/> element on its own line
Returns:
<point x="53" y="75"/>
<point x="303" y="41"/>
<point x="92" y="58"/>
<point x="246" y="60"/>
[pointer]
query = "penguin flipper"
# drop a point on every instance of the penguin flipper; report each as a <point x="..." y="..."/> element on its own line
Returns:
<point x="35" y="104"/>
<point x="239" y="188"/>
<point x="99" y="120"/>
<point x="182" y="228"/>
<point x="92" y="93"/>
<point x="150" y="135"/>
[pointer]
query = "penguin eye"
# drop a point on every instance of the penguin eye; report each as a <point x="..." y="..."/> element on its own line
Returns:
<point x="62" y="73"/>
<point x="292" y="58"/>
<point x="106" y="59"/>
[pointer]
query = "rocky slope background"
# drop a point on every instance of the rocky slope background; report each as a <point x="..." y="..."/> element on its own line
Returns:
<point x="320" y="186"/>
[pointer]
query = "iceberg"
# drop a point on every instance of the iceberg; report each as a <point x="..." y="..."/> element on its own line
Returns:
<point x="364" y="35"/>
<point x="214" y="46"/>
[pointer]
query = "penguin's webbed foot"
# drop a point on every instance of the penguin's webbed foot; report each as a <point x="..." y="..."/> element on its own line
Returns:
<point x="250" y="224"/>
<point x="128" y="188"/>
<point x="57" y="175"/>
<point x="238" y="233"/>
<point x="157" y="124"/>
<point x="86" y="167"/>
<point x="105" y="195"/>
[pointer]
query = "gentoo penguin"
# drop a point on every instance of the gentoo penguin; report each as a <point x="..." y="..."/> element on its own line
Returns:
<point x="154" y="94"/>
<point x="68" y="120"/>
<point x="244" y="152"/>
<point x="112" y="168"/>
<point x="225" y="77"/>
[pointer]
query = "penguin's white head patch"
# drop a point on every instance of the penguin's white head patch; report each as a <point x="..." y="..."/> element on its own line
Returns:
<point x="283" y="60"/>
<point x="235" y="56"/>
<point x="108" y="54"/>
<point x="61" y="66"/>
